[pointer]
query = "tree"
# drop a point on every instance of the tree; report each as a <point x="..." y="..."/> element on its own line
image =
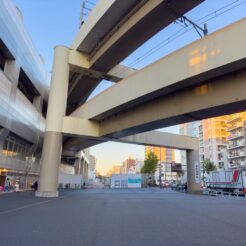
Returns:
<point x="208" y="166"/>
<point x="180" y="174"/>
<point x="150" y="164"/>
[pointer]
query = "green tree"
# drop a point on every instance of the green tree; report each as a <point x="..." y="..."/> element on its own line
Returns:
<point x="208" y="166"/>
<point x="150" y="163"/>
<point x="180" y="174"/>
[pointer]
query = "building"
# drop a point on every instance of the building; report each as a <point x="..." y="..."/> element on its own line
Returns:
<point x="139" y="164"/>
<point x="236" y="140"/>
<point x="213" y="141"/>
<point x="188" y="129"/>
<point x="24" y="89"/>
<point x="116" y="169"/>
<point x="166" y="158"/>
<point x="163" y="154"/>
<point x="24" y="92"/>
<point x="130" y="165"/>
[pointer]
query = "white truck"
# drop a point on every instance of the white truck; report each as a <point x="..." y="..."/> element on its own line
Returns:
<point x="233" y="181"/>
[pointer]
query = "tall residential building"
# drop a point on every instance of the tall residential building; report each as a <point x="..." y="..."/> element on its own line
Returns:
<point x="236" y="140"/>
<point x="213" y="141"/>
<point x="166" y="157"/>
<point x="188" y="129"/>
<point x="163" y="154"/>
<point x="139" y="164"/>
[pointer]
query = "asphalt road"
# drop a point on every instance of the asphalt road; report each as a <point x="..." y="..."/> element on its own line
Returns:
<point x="147" y="217"/>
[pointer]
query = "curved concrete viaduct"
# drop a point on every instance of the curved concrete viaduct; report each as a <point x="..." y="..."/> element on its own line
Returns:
<point x="193" y="83"/>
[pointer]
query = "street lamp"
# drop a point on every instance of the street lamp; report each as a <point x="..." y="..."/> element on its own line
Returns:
<point x="28" y="166"/>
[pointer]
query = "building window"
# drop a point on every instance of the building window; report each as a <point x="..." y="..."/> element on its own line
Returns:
<point x="15" y="147"/>
<point x="26" y="86"/>
<point x="5" y="54"/>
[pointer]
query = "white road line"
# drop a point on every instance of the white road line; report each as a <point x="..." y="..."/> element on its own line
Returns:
<point x="33" y="204"/>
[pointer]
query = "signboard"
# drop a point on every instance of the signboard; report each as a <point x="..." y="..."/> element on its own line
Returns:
<point x="177" y="167"/>
<point x="197" y="172"/>
<point x="126" y="181"/>
<point x="244" y="179"/>
<point x="134" y="181"/>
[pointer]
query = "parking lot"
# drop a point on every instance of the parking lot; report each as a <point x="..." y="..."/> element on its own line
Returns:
<point x="122" y="217"/>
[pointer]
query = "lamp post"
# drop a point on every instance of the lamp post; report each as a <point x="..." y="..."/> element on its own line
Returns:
<point x="29" y="162"/>
<point x="160" y="184"/>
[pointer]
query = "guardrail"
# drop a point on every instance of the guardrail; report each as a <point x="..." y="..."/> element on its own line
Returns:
<point x="211" y="192"/>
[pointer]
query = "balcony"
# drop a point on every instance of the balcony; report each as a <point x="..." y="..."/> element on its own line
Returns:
<point x="235" y="135"/>
<point x="235" y="126"/>
<point x="236" y="145"/>
<point x="234" y="119"/>
<point x="236" y="155"/>
<point x="237" y="164"/>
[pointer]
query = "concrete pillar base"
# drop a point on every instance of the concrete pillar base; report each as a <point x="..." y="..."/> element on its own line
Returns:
<point x="46" y="194"/>
<point x="193" y="172"/>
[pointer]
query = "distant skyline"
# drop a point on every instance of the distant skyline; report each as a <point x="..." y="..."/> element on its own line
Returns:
<point x="56" y="22"/>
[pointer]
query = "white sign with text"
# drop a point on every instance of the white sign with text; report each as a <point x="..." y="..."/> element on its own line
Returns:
<point x="197" y="172"/>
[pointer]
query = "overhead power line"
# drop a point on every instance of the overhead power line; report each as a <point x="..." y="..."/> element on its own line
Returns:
<point x="212" y="15"/>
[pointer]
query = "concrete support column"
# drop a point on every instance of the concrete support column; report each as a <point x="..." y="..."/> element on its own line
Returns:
<point x="83" y="169"/>
<point x="193" y="172"/>
<point x="88" y="171"/>
<point x="51" y="154"/>
<point x="77" y="165"/>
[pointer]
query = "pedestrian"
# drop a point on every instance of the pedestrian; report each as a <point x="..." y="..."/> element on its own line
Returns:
<point x="185" y="187"/>
<point x="35" y="186"/>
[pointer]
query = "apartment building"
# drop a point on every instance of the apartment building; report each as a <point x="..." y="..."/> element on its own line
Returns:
<point x="163" y="154"/>
<point x="213" y="141"/>
<point x="236" y="140"/>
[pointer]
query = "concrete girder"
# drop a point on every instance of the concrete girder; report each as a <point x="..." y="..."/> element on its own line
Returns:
<point x="223" y="95"/>
<point x="154" y="138"/>
<point x="215" y="55"/>
<point x="119" y="20"/>
<point x="112" y="26"/>
<point x="81" y="127"/>
<point x="85" y="77"/>
<point x="163" y="139"/>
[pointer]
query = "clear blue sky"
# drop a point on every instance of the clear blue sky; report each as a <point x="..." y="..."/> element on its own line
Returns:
<point x="54" y="22"/>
